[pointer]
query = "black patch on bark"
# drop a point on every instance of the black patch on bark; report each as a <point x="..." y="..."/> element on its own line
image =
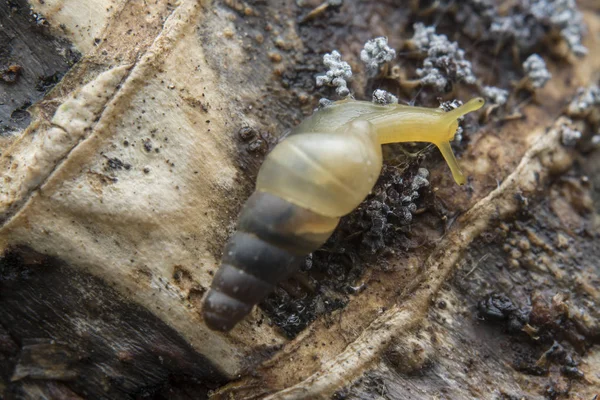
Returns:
<point x="63" y="331"/>
<point x="32" y="61"/>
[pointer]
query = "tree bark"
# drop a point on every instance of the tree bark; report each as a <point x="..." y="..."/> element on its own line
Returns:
<point x="119" y="193"/>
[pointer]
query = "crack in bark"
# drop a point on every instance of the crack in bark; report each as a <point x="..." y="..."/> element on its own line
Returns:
<point x="129" y="84"/>
<point x="22" y="199"/>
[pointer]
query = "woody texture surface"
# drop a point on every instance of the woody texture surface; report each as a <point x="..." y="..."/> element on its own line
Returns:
<point x="131" y="134"/>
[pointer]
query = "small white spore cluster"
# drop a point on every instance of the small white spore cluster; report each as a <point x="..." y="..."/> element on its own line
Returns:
<point x="530" y="21"/>
<point x="564" y="16"/>
<point x="495" y="95"/>
<point x="453" y="105"/>
<point x="383" y="97"/>
<point x="585" y="105"/>
<point x="376" y="52"/>
<point x="337" y="75"/>
<point x="324" y="103"/>
<point x="445" y="60"/>
<point x="535" y="68"/>
<point x="408" y="206"/>
<point x="569" y="136"/>
<point x="420" y="180"/>
<point x="585" y="99"/>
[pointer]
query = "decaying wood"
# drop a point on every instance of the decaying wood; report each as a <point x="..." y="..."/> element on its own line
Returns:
<point x="31" y="61"/>
<point x="545" y="155"/>
<point x="116" y="199"/>
<point x="84" y="138"/>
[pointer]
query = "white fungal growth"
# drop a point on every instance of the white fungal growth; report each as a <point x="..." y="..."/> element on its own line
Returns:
<point x="423" y="36"/>
<point x="569" y="136"/>
<point x="453" y="105"/>
<point x="325" y="103"/>
<point x="383" y="97"/>
<point x="431" y="76"/>
<point x="564" y="16"/>
<point x="377" y="52"/>
<point x="530" y="21"/>
<point x="445" y="60"/>
<point x="584" y="100"/>
<point x="408" y="206"/>
<point x="337" y="75"/>
<point x="495" y="95"/>
<point x="535" y="68"/>
<point x="420" y="180"/>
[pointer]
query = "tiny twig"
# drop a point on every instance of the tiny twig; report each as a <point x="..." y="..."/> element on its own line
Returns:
<point x="483" y="258"/>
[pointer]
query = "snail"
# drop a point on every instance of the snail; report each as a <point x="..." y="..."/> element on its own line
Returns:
<point x="322" y="171"/>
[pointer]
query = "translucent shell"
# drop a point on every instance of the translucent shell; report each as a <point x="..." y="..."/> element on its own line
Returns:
<point x="329" y="173"/>
<point x="322" y="171"/>
<point x="330" y="162"/>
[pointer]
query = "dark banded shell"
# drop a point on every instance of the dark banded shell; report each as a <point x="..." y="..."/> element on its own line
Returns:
<point x="273" y="237"/>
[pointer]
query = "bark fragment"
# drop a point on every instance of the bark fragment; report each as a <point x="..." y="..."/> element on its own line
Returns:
<point x="140" y="206"/>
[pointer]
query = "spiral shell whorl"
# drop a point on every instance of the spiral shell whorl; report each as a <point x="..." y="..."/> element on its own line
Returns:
<point x="272" y="240"/>
<point x="329" y="173"/>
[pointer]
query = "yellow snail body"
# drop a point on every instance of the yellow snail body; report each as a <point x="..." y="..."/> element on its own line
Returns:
<point x="322" y="171"/>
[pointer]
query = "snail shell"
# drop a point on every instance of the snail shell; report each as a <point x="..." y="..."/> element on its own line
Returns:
<point x="323" y="170"/>
<point x="304" y="185"/>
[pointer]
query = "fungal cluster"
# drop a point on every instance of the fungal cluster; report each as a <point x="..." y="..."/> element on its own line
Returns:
<point x="584" y="110"/>
<point x="383" y="97"/>
<point x="337" y="75"/>
<point x="495" y="95"/>
<point x="537" y="73"/>
<point x="569" y="135"/>
<point x="498" y="307"/>
<point x="375" y="53"/>
<point x="453" y="105"/>
<point x="584" y="101"/>
<point x="445" y="61"/>
<point x="530" y="21"/>
<point x="524" y="27"/>
<point x="526" y="23"/>
<point x="391" y="207"/>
